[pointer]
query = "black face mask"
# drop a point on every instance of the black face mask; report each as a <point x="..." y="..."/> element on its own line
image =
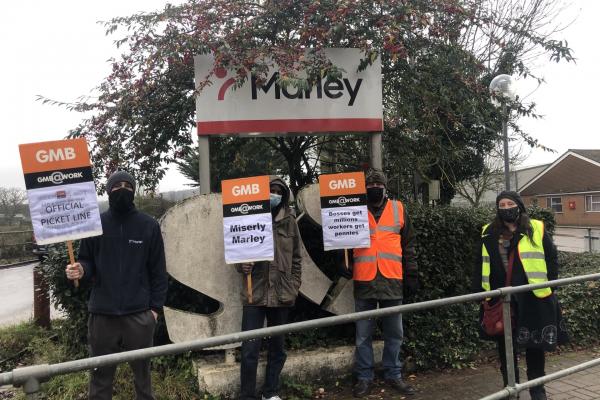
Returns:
<point x="374" y="195"/>
<point x="509" y="214"/>
<point x="121" y="200"/>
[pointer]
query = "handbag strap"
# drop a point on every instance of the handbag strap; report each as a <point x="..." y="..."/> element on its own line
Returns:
<point x="509" y="268"/>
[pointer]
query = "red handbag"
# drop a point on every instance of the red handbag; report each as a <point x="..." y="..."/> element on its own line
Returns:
<point x="492" y="321"/>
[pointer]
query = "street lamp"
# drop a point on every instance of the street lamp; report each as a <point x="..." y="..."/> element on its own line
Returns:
<point x="503" y="90"/>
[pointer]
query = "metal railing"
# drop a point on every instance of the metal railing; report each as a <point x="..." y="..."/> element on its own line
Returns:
<point x="30" y="378"/>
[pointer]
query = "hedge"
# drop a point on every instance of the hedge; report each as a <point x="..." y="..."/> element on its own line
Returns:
<point x="579" y="302"/>
<point x="448" y="241"/>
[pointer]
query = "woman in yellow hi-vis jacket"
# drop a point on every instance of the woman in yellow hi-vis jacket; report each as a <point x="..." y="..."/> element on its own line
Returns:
<point x="537" y="326"/>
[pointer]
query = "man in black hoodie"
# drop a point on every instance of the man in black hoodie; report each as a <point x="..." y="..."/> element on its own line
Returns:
<point x="127" y="271"/>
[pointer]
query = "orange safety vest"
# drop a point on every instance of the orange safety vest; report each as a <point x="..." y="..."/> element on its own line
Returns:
<point x="385" y="252"/>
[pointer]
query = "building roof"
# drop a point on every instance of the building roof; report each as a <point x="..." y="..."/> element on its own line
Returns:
<point x="574" y="171"/>
<point x="593" y="155"/>
<point x="522" y="176"/>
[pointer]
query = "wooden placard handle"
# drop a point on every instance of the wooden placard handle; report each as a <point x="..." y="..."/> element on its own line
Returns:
<point x="72" y="258"/>
<point x="249" y="287"/>
<point x="346" y="258"/>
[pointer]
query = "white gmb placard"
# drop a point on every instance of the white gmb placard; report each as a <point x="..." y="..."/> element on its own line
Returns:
<point x="344" y="213"/>
<point x="247" y="220"/>
<point x="61" y="191"/>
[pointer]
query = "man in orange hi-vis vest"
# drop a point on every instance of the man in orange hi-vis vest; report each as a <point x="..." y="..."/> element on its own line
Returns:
<point x="382" y="274"/>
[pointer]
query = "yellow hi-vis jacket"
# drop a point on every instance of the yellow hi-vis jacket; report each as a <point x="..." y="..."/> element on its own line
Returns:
<point x="531" y="254"/>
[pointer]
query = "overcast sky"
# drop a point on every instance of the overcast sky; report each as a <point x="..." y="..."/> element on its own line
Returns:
<point x="56" y="49"/>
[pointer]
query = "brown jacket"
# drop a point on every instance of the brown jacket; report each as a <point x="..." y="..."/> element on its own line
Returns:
<point x="276" y="283"/>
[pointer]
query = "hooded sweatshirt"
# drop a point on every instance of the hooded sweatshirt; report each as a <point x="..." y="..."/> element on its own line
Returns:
<point x="276" y="283"/>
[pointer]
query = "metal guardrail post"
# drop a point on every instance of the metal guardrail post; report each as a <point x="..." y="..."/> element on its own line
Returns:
<point x="30" y="378"/>
<point x="508" y="344"/>
<point x="32" y="389"/>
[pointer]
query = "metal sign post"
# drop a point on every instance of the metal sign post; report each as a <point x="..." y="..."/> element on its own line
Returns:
<point x="375" y="155"/>
<point x="204" y="164"/>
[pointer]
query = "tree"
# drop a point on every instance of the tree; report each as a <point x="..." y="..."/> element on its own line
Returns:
<point x="435" y="77"/>
<point x="11" y="201"/>
<point x="492" y="175"/>
<point x="444" y="116"/>
<point x="232" y="157"/>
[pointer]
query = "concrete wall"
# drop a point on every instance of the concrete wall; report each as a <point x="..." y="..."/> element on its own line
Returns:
<point x="223" y="379"/>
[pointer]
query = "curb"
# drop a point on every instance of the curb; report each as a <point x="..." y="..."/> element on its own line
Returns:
<point x="18" y="264"/>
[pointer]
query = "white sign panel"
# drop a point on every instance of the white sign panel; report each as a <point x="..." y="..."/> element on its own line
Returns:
<point x="248" y="238"/>
<point x="352" y="103"/>
<point x="64" y="212"/>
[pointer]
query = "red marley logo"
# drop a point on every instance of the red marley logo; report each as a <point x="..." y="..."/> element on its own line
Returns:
<point x="222" y="73"/>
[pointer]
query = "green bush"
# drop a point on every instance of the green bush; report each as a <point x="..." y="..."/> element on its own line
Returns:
<point x="14" y="345"/>
<point x="579" y="302"/>
<point x="72" y="301"/>
<point x="174" y="377"/>
<point x="15" y="246"/>
<point x="545" y="215"/>
<point x="448" y="242"/>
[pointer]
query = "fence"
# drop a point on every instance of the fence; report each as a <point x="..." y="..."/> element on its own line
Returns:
<point x="577" y="239"/>
<point x="16" y="246"/>
<point x="30" y="378"/>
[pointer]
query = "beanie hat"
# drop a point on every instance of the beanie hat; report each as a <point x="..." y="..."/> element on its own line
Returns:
<point x="119" y="176"/>
<point x="514" y="196"/>
<point x="376" y="176"/>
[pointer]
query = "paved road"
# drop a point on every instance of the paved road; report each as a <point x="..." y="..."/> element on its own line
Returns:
<point x="16" y="295"/>
<point x="576" y="239"/>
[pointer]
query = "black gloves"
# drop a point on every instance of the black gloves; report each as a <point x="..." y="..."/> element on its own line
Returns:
<point x="411" y="283"/>
<point x="341" y="264"/>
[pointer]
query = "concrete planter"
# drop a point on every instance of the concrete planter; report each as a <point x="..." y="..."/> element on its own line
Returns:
<point x="223" y="379"/>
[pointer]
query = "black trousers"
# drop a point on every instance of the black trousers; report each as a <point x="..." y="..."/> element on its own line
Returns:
<point x="253" y="317"/>
<point x="111" y="334"/>
<point x="535" y="361"/>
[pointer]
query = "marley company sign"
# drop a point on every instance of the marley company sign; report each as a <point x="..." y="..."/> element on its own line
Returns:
<point x="61" y="190"/>
<point x="351" y="103"/>
<point x="247" y="221"/>
<point x="344" y="213"/>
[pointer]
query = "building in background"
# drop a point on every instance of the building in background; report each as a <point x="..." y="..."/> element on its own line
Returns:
<point x="571" y="188"/>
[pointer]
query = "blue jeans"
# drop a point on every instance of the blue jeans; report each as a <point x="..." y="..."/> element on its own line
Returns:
<point x="253" y="317"/>
<point x="392" y="336"/>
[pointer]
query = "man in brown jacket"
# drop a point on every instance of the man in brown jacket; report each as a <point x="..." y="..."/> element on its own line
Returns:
<point x="275" y="287"/>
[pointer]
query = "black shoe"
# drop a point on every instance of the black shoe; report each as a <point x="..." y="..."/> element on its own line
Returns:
<point x="538" y="393"/>
<point x="400" y="386"/>
<point x="362" y="388"/>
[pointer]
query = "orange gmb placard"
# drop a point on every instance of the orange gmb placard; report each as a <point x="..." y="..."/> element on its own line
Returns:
<point x="342" y="184"/>
<point x="55" y="155"/>
<point x="243" y="190"/>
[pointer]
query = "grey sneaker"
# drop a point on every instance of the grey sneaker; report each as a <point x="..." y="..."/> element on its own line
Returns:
<point x="275" y="397"/>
